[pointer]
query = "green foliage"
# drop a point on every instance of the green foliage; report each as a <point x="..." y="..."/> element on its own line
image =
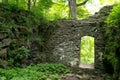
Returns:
<point x="112" y="30"/>
<point x="114" y="17"/>
<point x="19" y="53"/>
<point x="42" y="8"/>
<point x="35" y="72"/>
<point x="82" y="10"/>
<point x="58" y="11"/>
<point x="6" y="22"/>
<point x="17" y="16"/>
<point x="87" y="50"/>
<point x="49" y="9"/>
<point x="53" y="68"/>
<point x="21" y="3"/>
<point x="107" y="1"/>
<point x="16" y="56"/>
<point x="53" y="9"/>
<point x="22" y="26"/>
<point x="45" y="4"/>
<point x="6" y="27"/>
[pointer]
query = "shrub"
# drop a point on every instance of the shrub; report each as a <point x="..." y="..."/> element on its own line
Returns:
<point x="16" y="56"/>
<point x="51" y="68"/>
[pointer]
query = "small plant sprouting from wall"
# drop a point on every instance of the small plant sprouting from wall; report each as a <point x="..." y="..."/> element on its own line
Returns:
<point x="87" y="50"/>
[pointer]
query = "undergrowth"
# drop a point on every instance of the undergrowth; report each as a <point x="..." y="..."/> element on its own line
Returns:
<point x="112" y="38"/>
<point x="35" y="72"/>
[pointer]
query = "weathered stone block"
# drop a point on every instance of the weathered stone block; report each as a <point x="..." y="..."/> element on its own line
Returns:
<point x="6" y="42"/>
<point x="0" y="44"/>
<point x="3" y="53"/>
<point x="3" y="35"/>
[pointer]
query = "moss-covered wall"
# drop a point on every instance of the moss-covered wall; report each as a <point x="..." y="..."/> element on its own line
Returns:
<point x="21" y="36"/>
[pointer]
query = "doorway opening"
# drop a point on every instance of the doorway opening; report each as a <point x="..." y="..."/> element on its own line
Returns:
<point x="87" y="52"/>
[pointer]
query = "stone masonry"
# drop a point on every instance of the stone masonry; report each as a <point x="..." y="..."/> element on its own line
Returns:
<point x="63" y="45"/>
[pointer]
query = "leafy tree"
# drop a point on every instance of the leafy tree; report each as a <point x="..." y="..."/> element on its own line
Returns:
<point x="55" y="9"/>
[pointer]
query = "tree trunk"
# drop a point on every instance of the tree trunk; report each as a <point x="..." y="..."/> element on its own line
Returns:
<point x="34" y="3"/>
<point x="29" y="4"/>
<point x="73" y="8"/>
<point x="17" y="2"/>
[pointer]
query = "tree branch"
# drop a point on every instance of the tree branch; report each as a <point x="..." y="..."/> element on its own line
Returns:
<point x="84" y="2"/>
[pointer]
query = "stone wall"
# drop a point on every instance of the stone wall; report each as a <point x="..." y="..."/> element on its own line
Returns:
<point x="63" y="45"/>
<point x="63" y="42"/>
<point x="4" y="43"/>
<point x="15" y="38"/>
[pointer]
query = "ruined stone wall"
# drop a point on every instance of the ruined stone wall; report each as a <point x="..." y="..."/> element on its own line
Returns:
<point x="63" y="45"/>
<point x="4" y="43"/>
<point x="13" y="39"/>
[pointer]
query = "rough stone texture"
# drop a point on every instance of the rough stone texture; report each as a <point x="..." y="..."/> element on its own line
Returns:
<point x="63" y="45"/>
<point x="3" y="54"/>
<point x="3" y="35"/>
<point x="4" y="42"/>
<point x="80" y="77"/>
<point x="70" y="77"/>
<point x="21" y="36"/>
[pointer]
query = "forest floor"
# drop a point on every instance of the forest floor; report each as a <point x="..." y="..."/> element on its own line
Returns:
<point x="86" y="73"/>
<point x="81" y="77"/>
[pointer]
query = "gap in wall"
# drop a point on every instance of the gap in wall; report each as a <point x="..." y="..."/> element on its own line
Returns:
<point x="87" y="52"/>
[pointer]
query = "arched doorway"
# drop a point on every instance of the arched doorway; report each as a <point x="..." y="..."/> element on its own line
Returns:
<point x="87" y="52"/>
